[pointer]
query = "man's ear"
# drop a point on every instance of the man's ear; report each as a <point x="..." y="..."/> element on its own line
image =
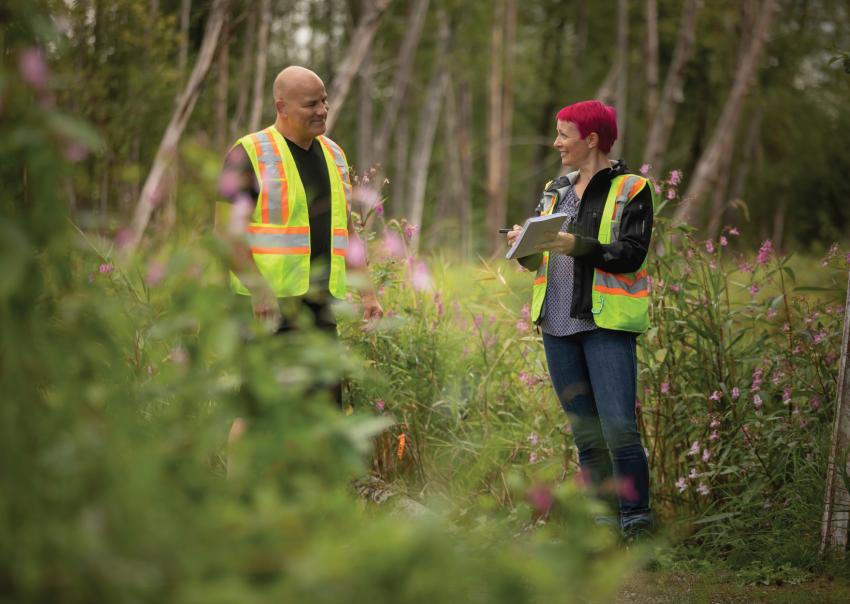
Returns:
<point x="280" y="106"/>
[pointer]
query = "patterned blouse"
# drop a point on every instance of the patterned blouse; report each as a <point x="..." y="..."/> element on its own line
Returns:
<point x="559" y="287"/>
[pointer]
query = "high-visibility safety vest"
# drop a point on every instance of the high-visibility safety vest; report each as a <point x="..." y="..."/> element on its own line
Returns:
<point x="620" y="301"/>
<point x="279" y="231"/>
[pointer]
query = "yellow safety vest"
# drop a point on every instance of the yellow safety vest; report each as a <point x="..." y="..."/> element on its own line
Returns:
<point x="279" y="231"/>
<point x="620" y="301"/>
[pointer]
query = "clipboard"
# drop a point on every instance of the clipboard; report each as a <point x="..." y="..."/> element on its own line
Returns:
<point x="532" y="234"/>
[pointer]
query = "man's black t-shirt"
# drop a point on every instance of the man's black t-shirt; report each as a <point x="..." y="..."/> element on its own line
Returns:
<point x="313" y="171"/>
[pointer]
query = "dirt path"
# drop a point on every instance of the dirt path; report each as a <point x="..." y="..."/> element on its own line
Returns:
<point x="687" y="588"/>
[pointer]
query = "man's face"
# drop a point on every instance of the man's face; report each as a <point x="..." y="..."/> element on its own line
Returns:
<point x="573" y="149"/>
<point x="306" y="108"/>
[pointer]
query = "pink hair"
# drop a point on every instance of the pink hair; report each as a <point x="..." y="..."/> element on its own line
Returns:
<point x="592" y="116"/>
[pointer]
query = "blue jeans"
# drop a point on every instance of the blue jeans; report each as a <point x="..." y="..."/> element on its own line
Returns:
<point x="595" y="377"/>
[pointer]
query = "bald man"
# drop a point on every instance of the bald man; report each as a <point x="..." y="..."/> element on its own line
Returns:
<point x="286" y="213"/>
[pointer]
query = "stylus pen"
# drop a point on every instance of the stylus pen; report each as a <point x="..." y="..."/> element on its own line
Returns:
<point x="503" y="231"/>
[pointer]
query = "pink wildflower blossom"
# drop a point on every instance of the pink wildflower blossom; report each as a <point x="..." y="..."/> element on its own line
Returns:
<point x="703" y="489"/>
<point x="745" y="267"/>
<point x="682" y="484"/>
<point x="533" y="439"/>
<point x="540" y="497"/>
<point x="723" y="241"/>
<point x="34" y="68"/>
<point x="671" y="194"/>
<point x="380" y="405"/>
<point x="815" y="402"/>
<point x="714" y="436"/>
<point x="522" y="327"/>
<point x="477" y="320"/>
<point x="675" y="289"/>
<point x="410" y="230"/>
<point x="665" y="388"/>
<point x="765" y="252"/>
<point x="675" y="177"/>
<point x="820" y="337"/>
<point x="695" y="449"/>
<point x="105" y="269"/>
<point x="356" y="255"/>
<point x="393" y="245"/>
<point x="715" y="396"/>
<point x="734" y="231"/>
<point x="706" y="455"/>
<point x="709" y="247"/>
<point x="754" y="289"/>
<point x="532" y="457"/>
<point x="736" y="392"/>
<point x="757" y="402"/>
<point x="420" y="278"/>
<point x="644" y="169"/>
<point x="693" y="474"/>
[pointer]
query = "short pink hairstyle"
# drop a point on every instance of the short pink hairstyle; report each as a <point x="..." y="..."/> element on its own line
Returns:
<point x="593" y="116"/>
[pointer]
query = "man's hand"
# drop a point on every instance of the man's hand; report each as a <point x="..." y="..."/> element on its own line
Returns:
<point x="512" y="235"/>
<point x="559" y="243"/>
<point x="372" y="310"/>
<point x="266" y="310"/>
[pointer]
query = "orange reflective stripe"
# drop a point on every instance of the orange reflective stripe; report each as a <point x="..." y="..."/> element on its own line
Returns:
<point x="276" y="230"/>
<point x="616" y="291"/>
<point x="280" y="250"/>
<point x="635" y="188"/>
<point x="341" y="232"/>
<point x="540" y="280"/>
<point x="339" y="252"/>
<point x="261" y="166"/>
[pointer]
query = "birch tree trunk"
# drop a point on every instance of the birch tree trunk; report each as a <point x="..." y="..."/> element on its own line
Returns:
<point x="671" y="95"/>
<point x="428" y="120"/>
<point x="361" y="40"/>
<point x="152" y="192"/>
<point x="500" y="119"/>
<point x="458" y="159"/>
<point x="221" y="86"/>
<point x="651" y="59"/>
<point x="183" y="49"/>
<point x="722" y="138"/>
<point x="365" y="113"/>
<point x="401" y="145"/>
<point x="259" y="92"/>
<point x="237" y="123"/>
<point x="621" y="103"/>
<point x="402" y="77"/>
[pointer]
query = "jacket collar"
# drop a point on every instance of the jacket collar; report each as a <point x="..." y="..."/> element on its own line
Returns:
<point x="617" y="168"/>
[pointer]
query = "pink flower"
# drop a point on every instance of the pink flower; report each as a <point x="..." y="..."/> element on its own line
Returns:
<point x="736" y="392"/>
<point x="675" y="177"/>
<point x="757" y="402"/>
<point x="703" y="489"/>
<point x="754" y="289"/>
<point x="533" y="439"/>
<point x="693" y="474"/>
<point x="379" y="209"/>
<point x="820" y="337"/>
<point x="522" y="327"/>
<point x="625" y="488"/>
<point x="532" y="457"/>
<point x="410" y="230"/>
<point x="356" y="254"/>
<point x="438" y="303"/>
<point x="682" y="484"/>
<point x="786" y="395"/>
<point x="525" y="313"/>
<point x="706" y="455"/>
<point x="393" y="245"/>
<point x="746" y="267"/>
<point x="33" y="68"/>
<point x="420" y="278"/>
<point x="709" y="247"/>
<point x="540" y="497"/>
<point x="671" y="194"/>
<point x="814" y="402"/>
<point x="477" y="320"/>
<point x="695" y="449"/>
<point x="644" y="169"/>
<point x="675" y="289"/>
<point x="765" y="251"/>
<point x="380" y="405"/>
<point x="155" y="274"/>
<point x="715" y="396"/>
<point x="105" y="269"/>
<point x="715" y="435"/>
<point x="665" y="388"/>
<point x="734" y="231"/>
<point x="771" y="313"/>
<point x="723" y="241"/>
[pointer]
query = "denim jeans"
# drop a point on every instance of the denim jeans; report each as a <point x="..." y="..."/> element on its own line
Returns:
<point x="594" y="374"/>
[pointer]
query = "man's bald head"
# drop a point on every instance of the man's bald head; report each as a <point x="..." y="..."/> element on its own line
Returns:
<point x="294" y="79"/>
<point x="301" y="103"/>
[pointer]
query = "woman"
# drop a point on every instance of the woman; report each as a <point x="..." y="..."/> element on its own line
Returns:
<point x="590" y="301"/>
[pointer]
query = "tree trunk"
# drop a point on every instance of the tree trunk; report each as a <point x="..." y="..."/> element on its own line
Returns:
<point x="722" y="139"/>
<point x="401" y="79"/>
<point x="152" y="192"/>
<point x="500" y="119"/>
<point x="237" y="123"/>
<point x="259" y="92"/>
<point x="428" y="120"/>
<point x="607" y="89"/>
<point x="621" y="103"/>
<point x="183" y="48"/>
<point x="361" y="40"/>
<point x="365" y="112"/>
<point x="452" y="170"/>
<point x="221" y="86"/>
<point x="401" y="144"/>
<point x="671" y="95"/>
<point x="464" y="143"/>
<point x="651" y="59"/>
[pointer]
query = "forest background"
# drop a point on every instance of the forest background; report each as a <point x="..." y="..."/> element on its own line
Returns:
<point x="124" y="356"/>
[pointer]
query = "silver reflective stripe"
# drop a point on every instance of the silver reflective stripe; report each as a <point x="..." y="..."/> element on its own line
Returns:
<point x="340" y="242"/>
<point x="279" y="240"/>
<point x="608" y="280"/>
<point x="273" y="166"/>
<point x="339" y="160"/>
<point x="620" y="204"/>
